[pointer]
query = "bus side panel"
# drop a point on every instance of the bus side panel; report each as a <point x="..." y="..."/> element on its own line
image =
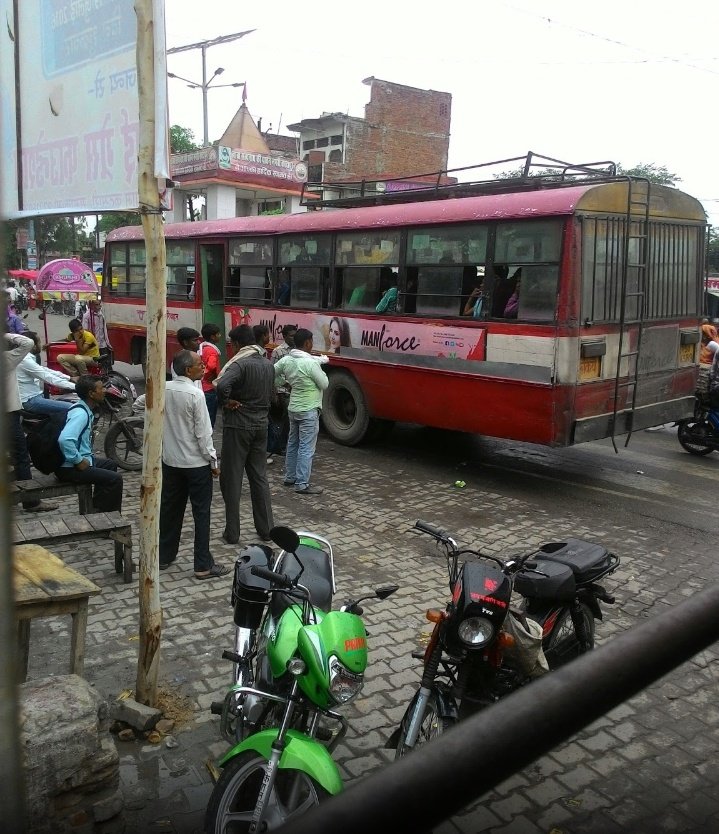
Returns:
<point x="495" y="407"/>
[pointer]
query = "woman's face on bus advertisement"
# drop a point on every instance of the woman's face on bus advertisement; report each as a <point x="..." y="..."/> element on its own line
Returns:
<point x="335" y="335"/>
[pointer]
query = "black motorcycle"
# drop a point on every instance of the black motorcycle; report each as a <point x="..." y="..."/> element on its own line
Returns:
<point x="481" y="648"/>
<point x="700" y="434"/>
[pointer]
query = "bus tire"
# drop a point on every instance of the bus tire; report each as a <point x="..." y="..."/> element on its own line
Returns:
<point x="345" y="415"/>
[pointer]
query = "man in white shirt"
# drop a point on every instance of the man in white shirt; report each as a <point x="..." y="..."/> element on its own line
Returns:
<point x="14" y="350"/>
<point x="189" y="463"/>
<point x="31" y="379"/>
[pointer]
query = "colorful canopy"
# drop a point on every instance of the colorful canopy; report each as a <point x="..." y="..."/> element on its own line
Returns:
<point x="26" y="274"/>
<point x="67" y="278"/>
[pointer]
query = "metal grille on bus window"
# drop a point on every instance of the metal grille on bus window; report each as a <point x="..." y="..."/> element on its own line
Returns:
<point x="672" y="265"/>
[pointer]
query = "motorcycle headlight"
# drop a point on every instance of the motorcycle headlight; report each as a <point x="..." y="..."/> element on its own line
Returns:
<point x="475" y="632"/>
<point x="344" y="685"/>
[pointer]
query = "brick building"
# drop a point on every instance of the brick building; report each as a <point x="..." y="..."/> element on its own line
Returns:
<point x="404" y="133"/>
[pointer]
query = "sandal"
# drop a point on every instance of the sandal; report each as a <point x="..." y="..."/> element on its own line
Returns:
<point x="215" y="570"/>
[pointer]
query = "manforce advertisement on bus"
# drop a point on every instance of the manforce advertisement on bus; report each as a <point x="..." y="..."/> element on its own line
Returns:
<point x="331" y="333"/>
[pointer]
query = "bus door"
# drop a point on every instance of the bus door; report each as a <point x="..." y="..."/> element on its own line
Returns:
<point x="212" y="276"/>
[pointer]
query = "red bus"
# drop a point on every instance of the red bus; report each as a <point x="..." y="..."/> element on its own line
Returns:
<point x="588" y="325"/>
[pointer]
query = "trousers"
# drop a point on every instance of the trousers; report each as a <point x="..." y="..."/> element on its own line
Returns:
<point x="245" y="450"/>
<point x="178" y="485"/>
<point x="106" y="480"/>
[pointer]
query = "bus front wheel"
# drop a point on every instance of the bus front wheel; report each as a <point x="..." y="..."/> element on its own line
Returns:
<point x="344" y="412"/>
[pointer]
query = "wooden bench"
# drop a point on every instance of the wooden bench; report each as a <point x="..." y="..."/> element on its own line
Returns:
<point x="46" y="587"/>
<point x="48" y="486"/>
<point x="41" y="529"/>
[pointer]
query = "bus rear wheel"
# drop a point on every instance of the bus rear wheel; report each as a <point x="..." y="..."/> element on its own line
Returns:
<point x="344" y="412"/>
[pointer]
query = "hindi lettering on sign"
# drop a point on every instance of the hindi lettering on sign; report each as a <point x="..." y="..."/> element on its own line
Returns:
<point x="98" y="151"/>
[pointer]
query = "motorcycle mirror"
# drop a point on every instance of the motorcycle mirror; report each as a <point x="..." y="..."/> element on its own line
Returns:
<point x="286" y="538"/>
<point x="385" y="591"/>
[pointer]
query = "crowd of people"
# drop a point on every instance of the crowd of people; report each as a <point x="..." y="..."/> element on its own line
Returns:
<point x="269" y="406"/>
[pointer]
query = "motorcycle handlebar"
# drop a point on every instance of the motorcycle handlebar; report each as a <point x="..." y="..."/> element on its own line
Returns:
<point x="276" y="578"/>
<point x="431" y="530"/>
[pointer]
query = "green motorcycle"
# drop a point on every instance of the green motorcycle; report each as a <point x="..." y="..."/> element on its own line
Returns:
<point x="295" y="660"/>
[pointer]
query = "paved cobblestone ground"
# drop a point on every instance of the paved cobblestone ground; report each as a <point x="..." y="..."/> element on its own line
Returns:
<point x="648" y="766"/>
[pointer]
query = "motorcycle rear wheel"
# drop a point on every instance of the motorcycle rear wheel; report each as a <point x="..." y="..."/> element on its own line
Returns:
<point x="690" y="434"/>
<point x="433" y="725"/>
<point x="234" y="797"/>
<point x="562" y="644"/>
<point x="123" y="443"/>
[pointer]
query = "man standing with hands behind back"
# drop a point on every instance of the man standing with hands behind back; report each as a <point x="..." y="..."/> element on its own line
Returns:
<point x="189" y="463"/>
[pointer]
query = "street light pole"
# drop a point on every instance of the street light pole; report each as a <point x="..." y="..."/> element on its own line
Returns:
<point x="203" y="46"/>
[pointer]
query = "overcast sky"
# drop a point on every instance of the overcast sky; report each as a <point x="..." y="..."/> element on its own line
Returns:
<point x="627" y="80"/>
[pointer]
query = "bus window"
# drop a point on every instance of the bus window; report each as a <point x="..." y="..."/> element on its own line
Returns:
<point x="305" y="286"/>
<point x="127" y="269"/>
<point x="180" y="270"/>
<point x="444" y="257"/>
<point x="439" y="290"/>
<point x="447" y="244"/>
<point x="526" y="270"/>
<point x="364" y="262"/>
<point x="306" y="259"/>
<point x="248" y="271"/>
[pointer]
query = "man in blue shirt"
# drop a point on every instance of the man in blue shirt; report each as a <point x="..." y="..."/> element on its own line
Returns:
<point x="81" y="466"/>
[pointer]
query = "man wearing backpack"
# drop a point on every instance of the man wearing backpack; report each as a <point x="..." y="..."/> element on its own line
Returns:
<point x="75" y="441"/>
<point x="16" y="348"/>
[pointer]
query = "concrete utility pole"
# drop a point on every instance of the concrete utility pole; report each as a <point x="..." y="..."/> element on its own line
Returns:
<point x="148" y="660"/>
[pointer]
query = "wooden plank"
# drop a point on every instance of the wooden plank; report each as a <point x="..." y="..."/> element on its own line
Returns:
<point x="31" y="528"/>
<point x="78" y="524"/>
<point x="39" y="567"/>
<point x="16" y="533"/>
<point x="54" y="527"/>
<point x="99" y="521"/>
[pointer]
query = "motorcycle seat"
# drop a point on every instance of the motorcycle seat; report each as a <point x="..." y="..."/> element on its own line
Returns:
<point x="588" y="560"/>
<point x="317" y="577"/>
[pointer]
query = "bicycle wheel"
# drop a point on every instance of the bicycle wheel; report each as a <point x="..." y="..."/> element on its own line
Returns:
<point x="233" y="800"/>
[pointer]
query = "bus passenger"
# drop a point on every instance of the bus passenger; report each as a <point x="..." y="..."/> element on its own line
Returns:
<point x="511" y="308"/>
<point x="502" y="289"/>
<point x="388" y="286"/>
<point x="475" y="301"/>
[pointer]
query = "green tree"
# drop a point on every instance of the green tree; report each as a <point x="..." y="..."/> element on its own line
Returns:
<point x="654" y="173"/>
<point x="182" y="140"/>
<point x="56" y="236"/>
<point x="713" y="251"/>
<point x="108" y="222"/>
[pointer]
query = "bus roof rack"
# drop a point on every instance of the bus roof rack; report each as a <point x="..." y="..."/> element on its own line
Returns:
<point x="533" y="173"/>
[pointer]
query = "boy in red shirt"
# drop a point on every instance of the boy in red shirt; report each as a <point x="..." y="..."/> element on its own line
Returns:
<point x="210" y="355"/>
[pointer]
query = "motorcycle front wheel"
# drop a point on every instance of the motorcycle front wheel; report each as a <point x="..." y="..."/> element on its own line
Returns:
<point x="692" y="436"/>
<point x="433" y="724"/>
<point x="562" y="644"/>
<point x="233" y="800"/>
<point x="123" y="443"/>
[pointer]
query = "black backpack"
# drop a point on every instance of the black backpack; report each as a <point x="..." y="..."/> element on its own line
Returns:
<point x="42" y="441"/>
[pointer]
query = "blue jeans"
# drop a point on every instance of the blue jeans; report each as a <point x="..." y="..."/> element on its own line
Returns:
<point x="211" y="400"/>
<point x="41" y="405"/>
<point x="304" y="428"/>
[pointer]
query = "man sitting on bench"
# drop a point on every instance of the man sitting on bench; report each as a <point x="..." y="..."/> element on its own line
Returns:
<point x="80" y="467"/>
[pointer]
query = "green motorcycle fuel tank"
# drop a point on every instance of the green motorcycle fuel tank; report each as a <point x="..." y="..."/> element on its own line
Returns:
<point x="334" y="650"/>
